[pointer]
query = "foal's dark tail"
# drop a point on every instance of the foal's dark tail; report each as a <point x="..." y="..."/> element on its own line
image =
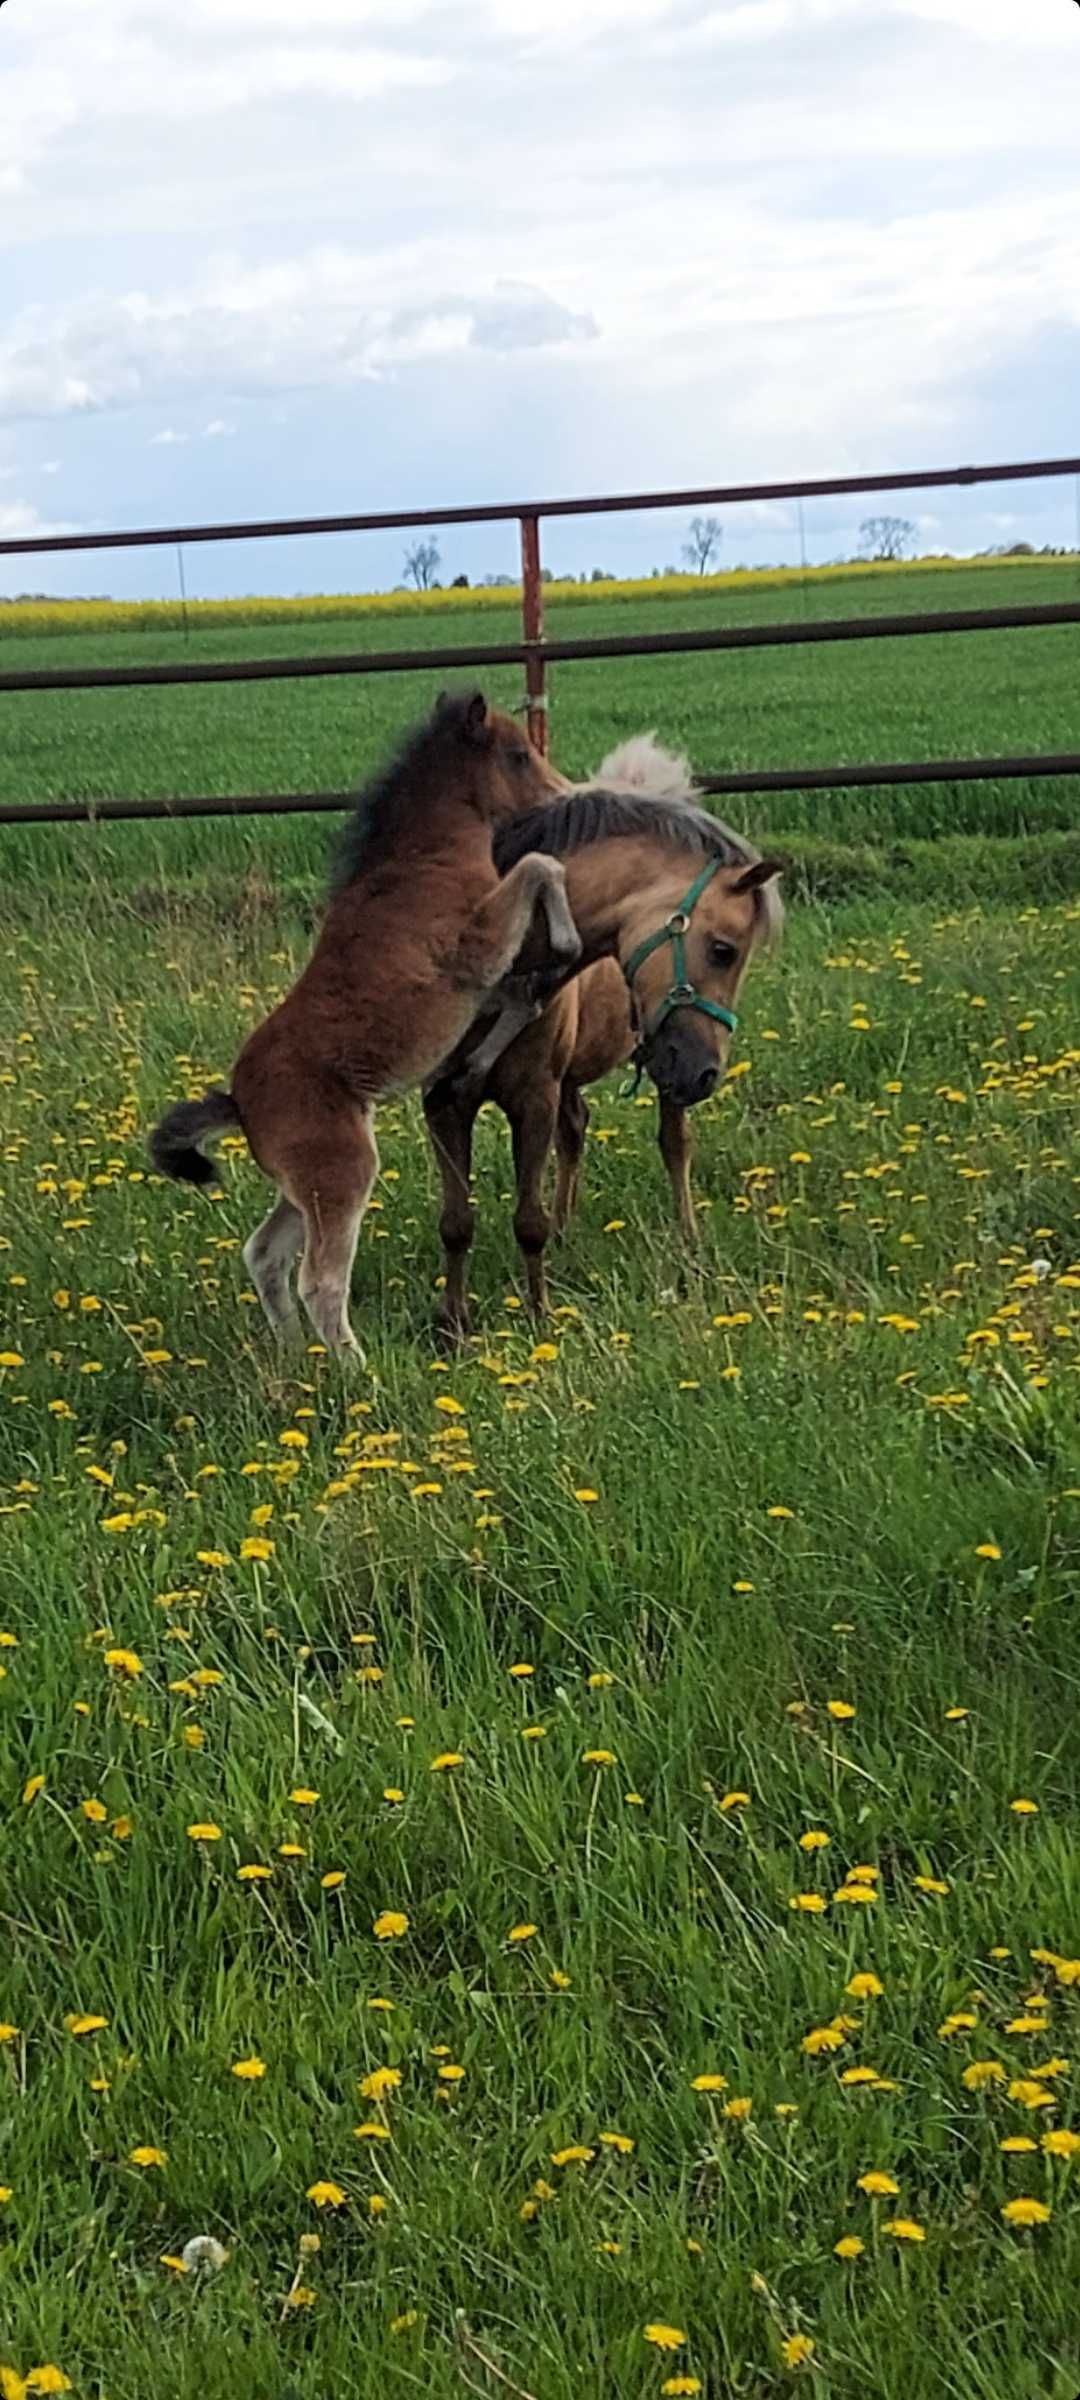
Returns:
<point x="174" y="1144"/>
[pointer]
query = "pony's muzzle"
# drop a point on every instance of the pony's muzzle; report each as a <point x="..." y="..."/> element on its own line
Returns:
<point x="682" y="1060"/>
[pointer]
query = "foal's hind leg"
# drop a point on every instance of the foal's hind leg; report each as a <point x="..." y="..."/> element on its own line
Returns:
<point x="270" y="1256"/>
<point x="333" y="1189"/>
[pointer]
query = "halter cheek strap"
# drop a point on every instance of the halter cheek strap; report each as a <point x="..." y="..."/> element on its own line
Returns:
<point x="681" y="993"/>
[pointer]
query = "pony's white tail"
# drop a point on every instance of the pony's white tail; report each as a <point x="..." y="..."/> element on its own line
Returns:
<point x="643" y="765"/>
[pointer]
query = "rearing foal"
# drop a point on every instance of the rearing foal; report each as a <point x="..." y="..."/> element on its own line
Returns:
<point x="419" y="934"/>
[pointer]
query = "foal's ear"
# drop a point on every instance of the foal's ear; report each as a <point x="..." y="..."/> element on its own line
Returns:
<point x="474" y="717"/>
<point x="764" y="870"/>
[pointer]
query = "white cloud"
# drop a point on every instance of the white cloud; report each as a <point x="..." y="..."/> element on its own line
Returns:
<point x="20" y="521"/>
<point x="217" y="430"/>
<point x="300" y="323"/>
<point x="50" y="466"/>
<point x="167" y="439"/>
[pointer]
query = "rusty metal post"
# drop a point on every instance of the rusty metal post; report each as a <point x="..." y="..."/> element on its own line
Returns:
<point x="532" y="618"/>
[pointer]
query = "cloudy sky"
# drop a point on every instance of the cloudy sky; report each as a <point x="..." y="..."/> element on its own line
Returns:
<point x="264" y="257"/>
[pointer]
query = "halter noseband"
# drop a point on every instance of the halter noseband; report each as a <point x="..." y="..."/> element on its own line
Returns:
<point x="682" y="993"/>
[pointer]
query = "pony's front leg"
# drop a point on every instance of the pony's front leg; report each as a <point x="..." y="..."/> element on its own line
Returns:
<point x="677" y="1149"/>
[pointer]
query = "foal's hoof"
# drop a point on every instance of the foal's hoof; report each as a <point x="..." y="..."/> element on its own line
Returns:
<point x="452" y="1327"/>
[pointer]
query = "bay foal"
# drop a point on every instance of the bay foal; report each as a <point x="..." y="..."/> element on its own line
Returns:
<point x="419" y="934"/>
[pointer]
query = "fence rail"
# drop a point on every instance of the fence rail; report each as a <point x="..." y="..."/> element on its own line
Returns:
<point x="771" y="779"/>
<point x="533" y="650"/>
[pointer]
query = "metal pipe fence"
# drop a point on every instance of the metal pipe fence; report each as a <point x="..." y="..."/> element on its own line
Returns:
<point x="534" y="650"/>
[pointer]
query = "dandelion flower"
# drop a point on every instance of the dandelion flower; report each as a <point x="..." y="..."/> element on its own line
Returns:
<point x="31" y="1789"/>
<point x="380" y="2081"/>
<point x="1030" y="2094"/>
<point x="390" y="1924"/>
<point x="932" y="1884"/>
<point x="617" y="2141"/>
<point x="904" y="2229"/>
<point x="1017" y="2145"/>
<point x="48" y="2379"/>
<point x="302" y="1797"/>
<point x="575" y="2154"/>
<point x="9" y="2033"/>
<point x="249" y="2070"/>
<point x="522" y="1933"/>
<point x="333" y="1881"/>
<point x="124" y="1662"/>
<point x="445" y="1760"/>
<point x="841" y="1710"/>
<point x="1024" y="1808"/>
<point x="1026" y="2212"/>
<point x="798" y="2350"/>
<point x="709" y="2083"/>
<point x="733" y="1800"/>
<point x="586" y="1495"/>
<point x="372" y="2131"/>
<point x="598" y="1758"/>
<point x="254" y="1874"/>
<point x="866" y="1986"/>
<point x="812" y="1904"/>
<point x="325" y="2195"/>
<point x="204" y="1833"/>
<point x="877" y="2185"/>
<point x="78" y="2025"/>
<point x="823" y="2039"/>
<point x="987" y="1550"/>
<point x="664" y="2337"/>
<point x="683" y="2385"/>
<point x="981" y="2072"/>
<point x="849" y="2247"/>
<point x="145" y="2155"/>
<point x="1061" y="2143"/>
<point x="814" y="1839"/>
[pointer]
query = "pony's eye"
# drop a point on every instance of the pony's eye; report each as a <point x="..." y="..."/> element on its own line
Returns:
<point x="722" y="954"/>
<point x="519" y="758"/>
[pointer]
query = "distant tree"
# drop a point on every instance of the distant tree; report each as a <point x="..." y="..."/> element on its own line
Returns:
<point x="703" y="545"/>
<point x="601" y="575"/>
<point x="420" y="565"/>
<point x="460" y="583"/>
<point x="886" y="537"/>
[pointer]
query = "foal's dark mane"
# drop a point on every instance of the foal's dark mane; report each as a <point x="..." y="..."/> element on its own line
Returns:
<point x="391" y="800"/>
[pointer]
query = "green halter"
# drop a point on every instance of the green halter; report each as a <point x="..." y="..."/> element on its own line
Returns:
<point x="682" y="993"/>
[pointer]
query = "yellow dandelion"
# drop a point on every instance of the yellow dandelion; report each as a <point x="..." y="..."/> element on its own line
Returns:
<point x="124" y="1662"/>
<point x="877" y="2185"/>
<point x="575" y="2154"/>
<point x="734" y="1800"/>
<point x="1026" y="2212"/>
<point x="866" y="1986"/>
<point x="522" y="1933"/>
<point x="904" y="2229"/>
<point x="204" y="1833"/>
<point x="249" y="2070"/>
<point x="447" y="1759"/>
<point x="664" y="2337"/>
<point x="987" y="1550"/>
<point x="390" y="1924"/>
<point x="302" y="1797"/>
<point x="798" y="2350"/>
<point x="709" y="2083"/>
<point x="380" y="2081"/>
<point x="849" y="2247"/>
<point x="841" y="1710"/>
<point x="598" y="1758"/>
<point x="326" y="2195"/>
<point x="145" y="2155"/>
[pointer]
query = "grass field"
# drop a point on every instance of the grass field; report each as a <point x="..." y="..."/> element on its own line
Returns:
<point x="508" y="1846"/>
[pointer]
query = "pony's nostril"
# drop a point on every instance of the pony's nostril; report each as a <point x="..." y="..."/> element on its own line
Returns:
<point x="705" y="1084"/>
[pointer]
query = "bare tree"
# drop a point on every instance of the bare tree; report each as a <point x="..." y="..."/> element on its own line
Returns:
<point x="886" y="537"/>
<point x="706" y="535"/>
<point x="420" y="565"/>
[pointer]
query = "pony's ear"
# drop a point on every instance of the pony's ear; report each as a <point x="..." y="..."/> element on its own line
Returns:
<point x="764" y="870"/>
<point x="474" y="717"/>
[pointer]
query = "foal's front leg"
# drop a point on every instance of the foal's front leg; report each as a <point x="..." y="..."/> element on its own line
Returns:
<point x="490" y="947"/>
<point x="497" y="929"/>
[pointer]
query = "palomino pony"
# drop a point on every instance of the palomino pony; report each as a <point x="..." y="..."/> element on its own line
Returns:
<point x="670" y="955"/>
<point x="419" y="934"/>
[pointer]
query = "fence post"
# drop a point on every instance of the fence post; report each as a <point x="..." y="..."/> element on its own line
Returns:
<point x="532" y="615"/>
